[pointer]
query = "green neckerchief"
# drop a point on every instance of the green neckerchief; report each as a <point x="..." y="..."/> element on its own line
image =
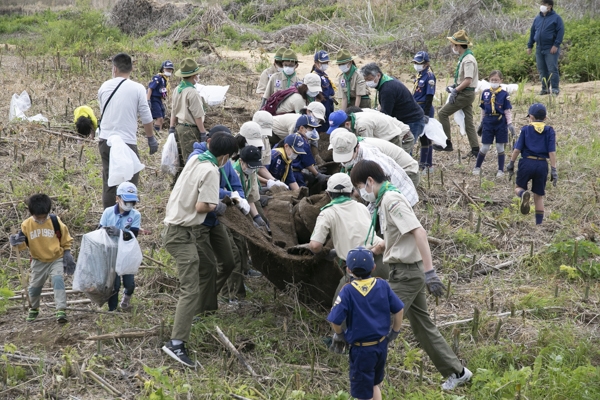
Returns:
<point x="289" y="78"/>
<point x="182" y="85"/>
<point x="385" y="187"/>
<point x="224" y="174"/>
<point x="245" y="182"/>
<point x="352" y="121"/>
<point x="337" y="200"/>
<point x="384" y="78"/>
<point x="468" y="51"/>
<point x="208" y="156"/>
<point x="348" y="78"/>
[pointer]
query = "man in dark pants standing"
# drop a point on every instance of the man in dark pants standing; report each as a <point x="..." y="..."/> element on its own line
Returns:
<point x="119" y="117"/>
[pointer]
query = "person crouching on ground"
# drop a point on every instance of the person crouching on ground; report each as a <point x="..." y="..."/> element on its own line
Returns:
<point x="85" y="121"/>
<point x="282" y="158"/>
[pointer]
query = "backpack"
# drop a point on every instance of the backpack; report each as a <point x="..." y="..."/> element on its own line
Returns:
<point x="277" y="98"/>
<point x="55" y="226"/>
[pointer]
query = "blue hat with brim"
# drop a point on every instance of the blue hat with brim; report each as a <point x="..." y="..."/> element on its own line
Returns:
<point x="127" y="191"/>
<point x="336" y="119"/>
<point x="421" y="57"/>
<point x="360" y="261"/>
<point x="537" y="111"/>
<point x="168" y="64"/>
<point x="322" y="56"/>
<point x="296" y="142"/>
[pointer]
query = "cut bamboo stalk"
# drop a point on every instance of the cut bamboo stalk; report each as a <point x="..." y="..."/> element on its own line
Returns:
<point x="227" y="343"/>
<point x="122" y="335"/>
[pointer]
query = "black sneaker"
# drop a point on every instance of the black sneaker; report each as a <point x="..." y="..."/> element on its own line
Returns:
<point x="252" y="273"/>
<point x="178" y="353"/>
<point x="543" y="93"/>
<point x="448" y="147"/>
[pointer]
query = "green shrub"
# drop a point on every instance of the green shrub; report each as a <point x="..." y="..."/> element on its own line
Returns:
<point x="582" y="58"/>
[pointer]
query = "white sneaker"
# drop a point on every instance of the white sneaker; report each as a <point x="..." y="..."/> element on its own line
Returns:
<point x="453" y="380"/>
<point x="499" y="174"/>
<point x="476" y="171"/>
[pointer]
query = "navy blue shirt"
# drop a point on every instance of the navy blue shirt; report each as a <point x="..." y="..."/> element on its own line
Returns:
<point x="501" y="103"/>
<point x="546" y="31"/>
<point x="158" y="84"/>
<point x="278" y="168"/>
<point x="397" y="101"/>
<point x="329" y="94"/>
<point x="535" y="144"/>
<point x="367" y="316"/>
<point x="424" y="85"/>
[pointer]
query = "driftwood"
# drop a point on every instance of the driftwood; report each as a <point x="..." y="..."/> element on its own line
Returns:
<point x="120" y="335"/>
<point x="498" y="267"/>
<point x="238" y="397"/>
<point x="102" y="382"/>
<point x="227" y="343"/>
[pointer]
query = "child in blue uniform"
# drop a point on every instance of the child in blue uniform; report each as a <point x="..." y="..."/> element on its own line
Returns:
<point x="158" y="90"/>
<point x="327" y="87"/>
<point x="306" y="128"/>
<point x="423" y="92"/>
<point x="365" y="304"/>
<point x="496" y="121"/>
<point x="536" y="144"/>
<point x="282" y="158"/>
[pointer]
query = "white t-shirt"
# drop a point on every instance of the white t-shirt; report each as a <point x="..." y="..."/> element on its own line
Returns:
<point x="121" y="114"/>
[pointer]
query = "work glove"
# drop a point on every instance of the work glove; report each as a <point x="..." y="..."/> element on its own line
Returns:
<point x="510" y="168"/>
<point x="273" y="182"/>
<point x="220" y="208"/>
<point x="264" y="200"/>
<point x="17" y="239"/>
<point x="338" y="344"/>
<point x="331" y="255"/>
<point x="434" y="285"/>
<point x="393" y="335"/>
<point x="68" y="263"/>
<point x="511" y="129"/>
<point x="203" y="137"/>
<point x="112" y="230"/>
<point x="479" y="130"/>
<point x="322" y="178"/>
<point x="153" y="144"/>
<point x="172" y="129"/>
<point x="300" y="250"/>
<point x="453" y="93"/>
<point x="553" y="176"/>
<point x="425" y="119"/>
<point x="259" y="221"/>
<point x="149" y="104"/>
<point x="243" y="206"/>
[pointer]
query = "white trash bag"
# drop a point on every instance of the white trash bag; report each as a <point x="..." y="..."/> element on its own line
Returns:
<point x="129" y="256"/>
<point x="95" y="271"/>
<point x="212" y="94"/>
<point x="19" y="103"/>
<point x="123" y="162"/>
<point x="169" y="162"/>
<point x="435" y="132"/>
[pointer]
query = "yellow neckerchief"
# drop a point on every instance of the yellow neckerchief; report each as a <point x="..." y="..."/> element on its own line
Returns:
<point x="168" y="85"/>
<point x="494" y="92"/>
<point x="287" y="162"/>
<point x="538" y="126"/>
<point x="364" y="286"/>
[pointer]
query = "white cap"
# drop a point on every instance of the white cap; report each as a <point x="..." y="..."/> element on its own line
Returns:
<point x="265" y="120"/>
<point x="333" y="133"/>
<point x="343" y="144"/>
<point x="251" y="131"/>
<point x="339" y="183"/>
<point x="128" y="192"/>
<point x="317" y="108"/>
<point x="313" y="81"/>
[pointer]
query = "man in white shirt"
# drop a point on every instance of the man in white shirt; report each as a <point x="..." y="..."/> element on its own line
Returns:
<point x="119" y="117"/>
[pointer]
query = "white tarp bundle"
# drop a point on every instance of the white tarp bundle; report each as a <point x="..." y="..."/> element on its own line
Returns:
<point x="19" y="103"/>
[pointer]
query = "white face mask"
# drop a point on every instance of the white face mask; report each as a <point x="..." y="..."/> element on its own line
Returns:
<point x="418" y="67"/>
<point x="126" y="206"/>
<point x="292" y="156"/>
<point x="543" y="9"/>
<point x="248" y="171"/>
<point x="324" y="67"/>
<point x="279" y="69"/>
<point x="312" y="134"/>
<point x="166" y="73"/>
<point x="494" y="85"/>
<point x="312" y="94"/>
<point x="288" y="70"/>
<point x="372" y="84"/>
<point x="454" y="50"/>
<point x="368" y="197"/>
<point x="345" y="68"/>
<point x="349" y="164"/>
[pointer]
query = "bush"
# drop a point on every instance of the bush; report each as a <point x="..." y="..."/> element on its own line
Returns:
<point x="581" y="62"/>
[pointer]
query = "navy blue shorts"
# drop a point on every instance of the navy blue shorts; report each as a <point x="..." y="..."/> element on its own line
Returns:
<point x="367" y="366"/>
<point x="535" y="171"/>
<point x="157" y="108"/>
<point x="494" y="129"/>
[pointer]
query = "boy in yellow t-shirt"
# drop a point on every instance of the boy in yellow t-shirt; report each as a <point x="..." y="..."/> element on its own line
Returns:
<point x="85" y="121"/>
<point x="49" y="243"/>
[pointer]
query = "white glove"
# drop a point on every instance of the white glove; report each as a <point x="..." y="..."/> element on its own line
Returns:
<point x="243" y="205"/>
<point x="273" y="182"/>
<point x="281" y="184"/>
<point x="235" y="195"/>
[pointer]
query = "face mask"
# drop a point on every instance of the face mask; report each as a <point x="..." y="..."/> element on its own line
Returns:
<point x="543" y="9"/>
<point x="372" y="84"/>
<point x="348" y="164"/>
<point x="197" y="80"/>
<point x="312" y="94"/>
<point x="495" y="85"/>
<point x="312" y="135"/>
<point x="41" y="221"/>
<point x="345" y="68"/>
<point x="225" y="159"/>
<point x="288" y="70"/>
<point x="324" y="67"/>
<point x="279" y="69"/>
<point x="292" y="156"/>
<point x="454" y="50"/>
<point x="127" y="206"/>
<point x="418" y="67"/>
<point x="166" y="73"/>
<point x="248" y="171"/>
<point x="368" y="197"/>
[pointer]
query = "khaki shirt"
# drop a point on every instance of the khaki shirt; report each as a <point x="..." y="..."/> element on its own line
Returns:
<point x="379" y="125"/>
<point x="187" y="106"/>
<point x="396" y="153"/>
<point x="252" y="195"/>
<point x="397" y="219"/>
<point x="264" y="79"/>
<point x="347" y="223"/>
<point x="469" y="69"/>
<point x="293" y="104"/>
<point x="198" y="182"/>
<point x="266" y="151"/>
<point x="358" y="86"/>
<point x="284" y="124"/>
<point x="277" y="82"/>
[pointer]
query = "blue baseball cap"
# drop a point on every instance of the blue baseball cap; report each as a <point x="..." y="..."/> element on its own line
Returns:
<point x="296" y="142"/>
<point x="336" y="119"/>
<point x="421" y="57"/>
<point x="537" y="111"/>
<point x="307" y="120"/>
<point x="167" y="64"/>
<point x="127" y="191"/>
<point x="360" y="261"/>
<point x="321" y="56"/>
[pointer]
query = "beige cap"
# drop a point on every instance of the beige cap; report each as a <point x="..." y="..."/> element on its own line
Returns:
<point x="265" y="120"/>
<point x="339" y="183"/>
<point x="251" y="131"/>
<point x="343" y="144"/>
<point x="333" y="133"/>
<point x="313" y="81"/>
<point x="317" y="108"/>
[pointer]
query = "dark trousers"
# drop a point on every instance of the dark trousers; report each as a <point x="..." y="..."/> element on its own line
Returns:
<point x="128" y="283"/>
<point x="109" y="194"/>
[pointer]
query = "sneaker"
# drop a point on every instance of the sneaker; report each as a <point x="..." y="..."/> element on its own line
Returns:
<point x="33" y="314"/>
<point x="453" y="380"/>
<point x="61" y="316"/>
<point x="476" y="171"/>
<point x="178" y="353"/>
<point x="252" y="273"/>
<point x="425" y="169"/>
<point x="525" y="202"/>
<point x="125" y="302"/>
<point x="543" y="93"/>
<point x="555" y="92"/>
<point x="500" y="174"/>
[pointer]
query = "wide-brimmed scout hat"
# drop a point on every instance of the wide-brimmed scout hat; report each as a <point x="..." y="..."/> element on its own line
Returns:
<point x="289" y="55"/>
<point x="187" y="68"/>
<point x="343" y="56"/>
<point x="343" y="144"/>
<point x="460" y="37"/>
<point x="339" y="183"/>
<point x="279" y="53"/>
<point x="265" y="120"/>
<point x="251" y="131"/>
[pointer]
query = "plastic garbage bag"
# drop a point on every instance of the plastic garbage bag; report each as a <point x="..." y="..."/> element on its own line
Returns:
<point x="19" y="103"/>
<point x="459" y="118"/>
<point x="212" y="94"/>
<point x="123" y="162"/>
<point x="169" y="162"/>
<point x="95" y="271"/>
<point x="435" y="132"/>
<point x="129" y="256"/>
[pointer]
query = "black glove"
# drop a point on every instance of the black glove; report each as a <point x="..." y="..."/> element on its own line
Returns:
<point x="203" y="137"/>
<point x="172" y="129"/>
<point x="425" y="119"/>
<point x="510" y="168"/>
<point x="264" y="200"/>
<point x="300" y="250"/>
<point x="68" y="263"/>
<point x="258" y="221"/>
<point x="220" y="208"/>
<point x="338" y="343"/>
<point x="331" y="255"/>
<point x="112" y="230"/>
<point x="322" y="178"/>
<point x="17" y="239"/>
<point x="479" y="130"/>
<point x="153" y="144"/>
<point x="434" y="285"/>
<point x="393" y="335"/>
<point x="553" y="176"/>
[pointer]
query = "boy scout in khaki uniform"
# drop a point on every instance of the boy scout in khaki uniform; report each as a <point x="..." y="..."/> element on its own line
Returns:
<point x="284" y="79"/>
<point x="187" y="117"/>
<point x="267" y="73"/>
<point x="353" y="88"/>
